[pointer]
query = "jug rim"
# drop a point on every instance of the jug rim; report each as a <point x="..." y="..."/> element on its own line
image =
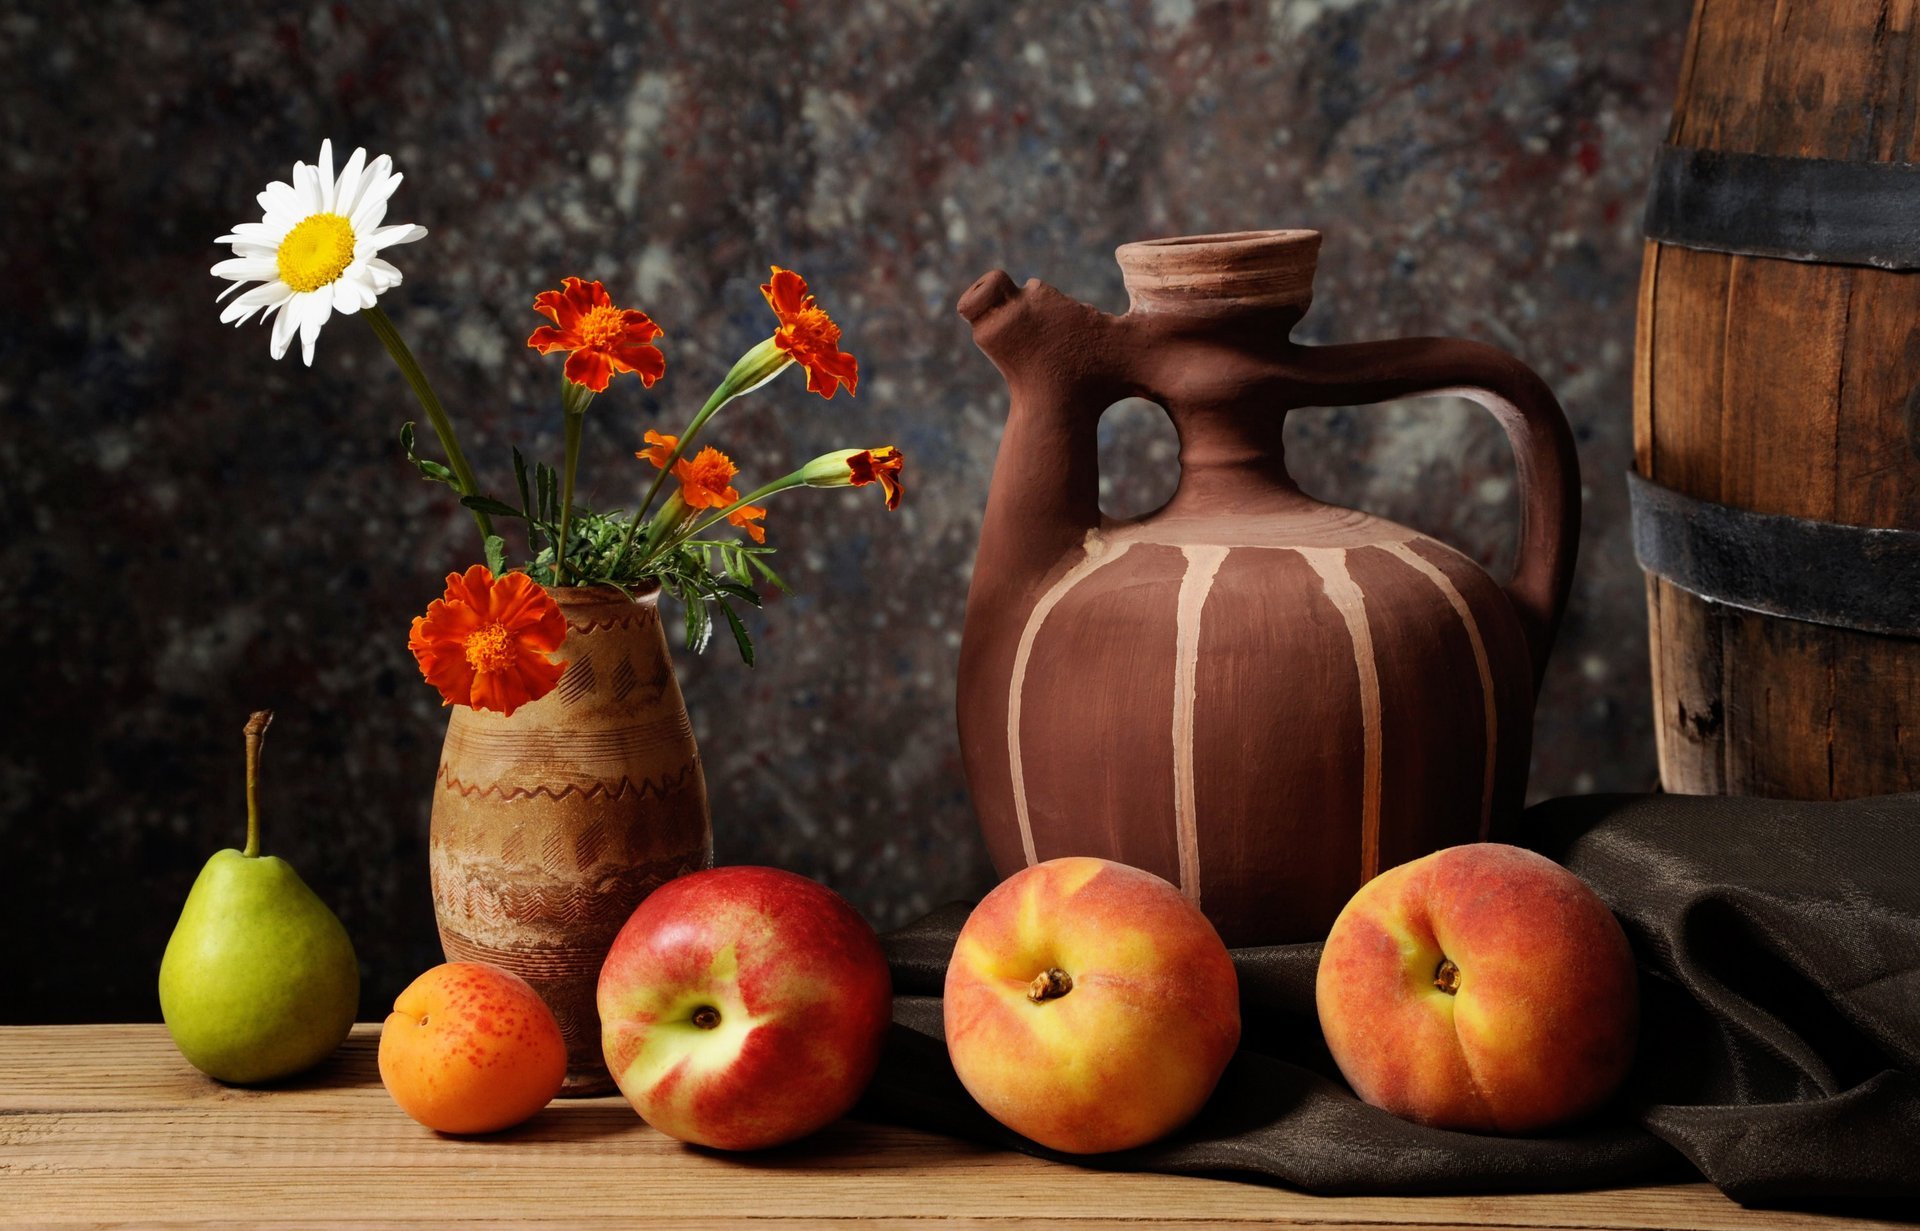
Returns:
<point x="1223" y="273"/>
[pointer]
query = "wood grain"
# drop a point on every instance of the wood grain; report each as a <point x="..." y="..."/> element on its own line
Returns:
<point x="1779" y="386"/>
<point x="106" y="1126"/>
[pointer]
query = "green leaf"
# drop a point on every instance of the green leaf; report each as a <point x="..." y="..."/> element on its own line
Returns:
<point x="737" y="565"/>
<point x="487" y="504"/>
<point x="740" y="637"/>
<point x="699" y="623"/>
<point x="496" y="554"/>
<point x="766" y="570"/>
<point x="549" y="487"/>
<point x="732" y="589"/>
<point x="428" y="469"/>
<point x="520" y="481"/>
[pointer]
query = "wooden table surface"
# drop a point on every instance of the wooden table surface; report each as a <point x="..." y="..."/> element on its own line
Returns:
<point x="107" y="1125"/>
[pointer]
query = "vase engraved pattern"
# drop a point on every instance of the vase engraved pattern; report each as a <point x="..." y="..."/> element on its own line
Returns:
<point x="550" y="826"/>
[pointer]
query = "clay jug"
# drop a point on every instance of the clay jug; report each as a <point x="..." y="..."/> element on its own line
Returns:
<point x="1264" y="698"/>
<point x="551" y="825"/>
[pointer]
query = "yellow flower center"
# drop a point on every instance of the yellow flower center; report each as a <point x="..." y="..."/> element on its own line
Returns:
<point x="490" y="649"/>
<point x="316" y="251"/>
<point x="601" y="327"/>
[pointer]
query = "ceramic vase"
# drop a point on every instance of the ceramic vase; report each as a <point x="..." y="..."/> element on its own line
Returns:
<point x="551" y="825"/>
<point x="1262" y="697"/>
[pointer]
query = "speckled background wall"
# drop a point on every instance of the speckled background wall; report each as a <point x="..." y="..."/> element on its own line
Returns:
<point x="192" y="530"/>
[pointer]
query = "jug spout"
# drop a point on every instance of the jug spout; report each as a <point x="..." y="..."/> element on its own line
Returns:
<point x="1064" y="363"/>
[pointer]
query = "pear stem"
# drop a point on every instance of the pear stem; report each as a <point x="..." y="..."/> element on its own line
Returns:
<point x="256" y="735"/>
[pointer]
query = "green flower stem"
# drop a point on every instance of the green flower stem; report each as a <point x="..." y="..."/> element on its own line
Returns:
<point x="574" y="400"/>
<point x="755" y="368"/>
<point x="436" y="414"/>
<point x="796" y="479"/>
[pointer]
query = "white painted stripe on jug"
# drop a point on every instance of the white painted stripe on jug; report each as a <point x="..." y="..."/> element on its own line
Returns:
<point x="1098" y="555"/>
<point x="1203" y="563"/>
<point x="1452" y="594"/>
<point x="1351" y="602"/>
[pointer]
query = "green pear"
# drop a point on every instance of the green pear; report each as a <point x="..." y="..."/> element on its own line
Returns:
<point x="259" y="979"/>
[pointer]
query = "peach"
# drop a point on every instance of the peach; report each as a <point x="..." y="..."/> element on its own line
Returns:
<point x="1090" y="1006"/>
<point x="471" y="1048"/>
<point x="1482" y="987"/>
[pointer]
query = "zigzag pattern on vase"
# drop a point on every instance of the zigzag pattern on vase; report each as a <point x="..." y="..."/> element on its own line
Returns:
<point x="569" y="746"/>
<point x="617" y="622"/>
<point x="599" y="790"/>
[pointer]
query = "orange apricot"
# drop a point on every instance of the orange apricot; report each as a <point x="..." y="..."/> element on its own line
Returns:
<point x="471" y="1048"/>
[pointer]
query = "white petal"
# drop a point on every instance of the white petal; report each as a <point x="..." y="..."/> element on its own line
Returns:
<point x="283" y="327"/>
<point x="373" y="206"/>
<point x="385" y="276"/>
<point x="306" y="182"/>
<point x="374" y="194"/>
<point x="249" y="232"/>
<point x="269" y="296"/>
<point x="350" y="294"/>
<point x="325" y="172"/>
<point x="319" y="310"/>
<point x="386" y="237"/>
<point x="247" y="269"/>
<point x="346" y="193"/>
<point x="279" y="196"/>
<point x="373" y="182"/>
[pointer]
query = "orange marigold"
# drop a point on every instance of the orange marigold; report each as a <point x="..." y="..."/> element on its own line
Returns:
<point x="808" y="335"/>
<point x="883" y="466"/>
<point x="485" y="642"/>
<point x="706" y="479"/>
<point x="749" y="517"/>
<point x="601" y="338"/>
<point x="659" y="448"/>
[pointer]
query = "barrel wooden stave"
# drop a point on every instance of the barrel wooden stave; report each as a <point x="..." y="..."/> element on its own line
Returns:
<point x="1779" y="386"/>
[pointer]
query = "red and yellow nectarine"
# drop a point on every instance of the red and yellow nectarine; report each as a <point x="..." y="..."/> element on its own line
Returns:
<point x="744" y="1007"/>
<point x="1090" y="1006"/>
<point x="1482" y="987"/>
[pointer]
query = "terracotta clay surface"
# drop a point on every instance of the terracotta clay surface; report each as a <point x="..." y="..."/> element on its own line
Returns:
<point x="1782" y="387"/>
<point x="549" y="827"/>
<point x="1263" y="698"/>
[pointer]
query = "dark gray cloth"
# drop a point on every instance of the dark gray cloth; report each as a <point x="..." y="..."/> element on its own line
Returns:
<point x="1779" y="950"/>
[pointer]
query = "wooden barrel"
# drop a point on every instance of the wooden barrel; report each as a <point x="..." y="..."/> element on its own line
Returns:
<point x="1776" y="420"/>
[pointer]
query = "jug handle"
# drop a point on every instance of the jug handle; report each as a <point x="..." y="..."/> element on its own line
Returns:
<point x="1549" y="470"/>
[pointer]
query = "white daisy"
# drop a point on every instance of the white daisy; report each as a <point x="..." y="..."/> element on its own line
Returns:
<point x="316" y="250"/>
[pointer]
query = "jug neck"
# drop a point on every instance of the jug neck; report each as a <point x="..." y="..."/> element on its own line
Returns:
<point x="1234" y="461"/>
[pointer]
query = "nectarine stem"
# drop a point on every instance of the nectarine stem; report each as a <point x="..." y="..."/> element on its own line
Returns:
<point x="256" y="733"/>
<point x="1049" y="985"/>
<point x="1446" y="976"/>
<point x="706" y="1017"/>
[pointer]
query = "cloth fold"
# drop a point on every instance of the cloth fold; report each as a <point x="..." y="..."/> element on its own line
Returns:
<point x="1779" y="951"/>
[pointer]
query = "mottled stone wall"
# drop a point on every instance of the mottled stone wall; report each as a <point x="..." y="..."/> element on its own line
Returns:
<point x="193" y="530"/>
